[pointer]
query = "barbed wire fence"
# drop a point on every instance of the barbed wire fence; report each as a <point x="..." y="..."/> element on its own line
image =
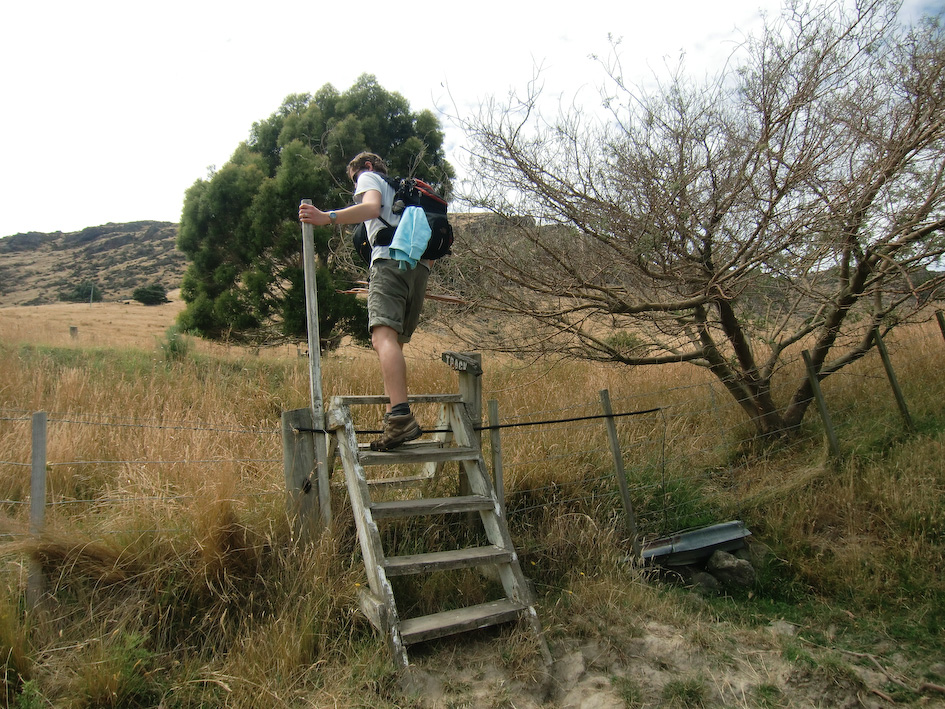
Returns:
<point x="558" y="459"/>
<point x="673" y="459"/>
<point x="50" y="494"/>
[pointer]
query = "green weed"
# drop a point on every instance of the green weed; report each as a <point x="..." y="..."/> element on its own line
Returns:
<point x="688" y="692"/>
<point x="769" y="696"/>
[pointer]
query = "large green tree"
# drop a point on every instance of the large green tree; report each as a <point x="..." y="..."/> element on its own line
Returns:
<point x="239" y="227"/>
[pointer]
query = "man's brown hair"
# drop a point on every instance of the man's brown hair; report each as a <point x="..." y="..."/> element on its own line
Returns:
<point x="360" y="161"/>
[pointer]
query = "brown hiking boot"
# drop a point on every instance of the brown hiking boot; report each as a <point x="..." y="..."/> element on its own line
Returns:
<point x="397" y="430"/>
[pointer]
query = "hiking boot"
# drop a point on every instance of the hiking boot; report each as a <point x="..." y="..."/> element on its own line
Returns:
<point x="397" y="430"/>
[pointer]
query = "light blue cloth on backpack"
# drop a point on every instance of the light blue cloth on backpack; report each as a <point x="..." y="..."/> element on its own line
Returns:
<point x="411" y="238"/>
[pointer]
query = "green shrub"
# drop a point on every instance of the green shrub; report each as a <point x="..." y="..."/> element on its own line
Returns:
<point x="175" y="345"/>
<point x="82" y="293"/>
<point x="154" y="294"/>
<point x="29" y="697"/>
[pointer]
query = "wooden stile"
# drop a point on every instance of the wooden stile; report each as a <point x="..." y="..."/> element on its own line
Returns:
<point x="457" y="442"/>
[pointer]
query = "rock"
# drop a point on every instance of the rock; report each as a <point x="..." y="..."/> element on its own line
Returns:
<point x="704" y="583"/>
<point x="757" y="553"/>
<point x="730" y="570"/>
<point x="783" y="628"/>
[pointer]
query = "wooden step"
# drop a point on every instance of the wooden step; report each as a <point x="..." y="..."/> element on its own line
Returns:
<point x="417" y="443"/>
<point x="377" y="399"/>
<point x="444" y="560"/>
<point x="401" y="481"/>
<point x="431" y="506"/>
<point x="438" y="625"/>
<point x="429" y="451"/>
<point x="405" y="455"/>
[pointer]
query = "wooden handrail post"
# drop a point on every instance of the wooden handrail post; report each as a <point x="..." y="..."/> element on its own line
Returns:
<point x="469" y="367"/>
<point x="315" y="372"/>
<point x="470" y="388"/>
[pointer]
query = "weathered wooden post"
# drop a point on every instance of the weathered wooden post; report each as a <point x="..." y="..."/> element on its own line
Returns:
<point x="35" y="584"/>
<point x="498" y="472"/>
<point x="621" y="473"/>
<point x="315" y="373"/>
<point x="298" y="461"/>
<point x="469" y="367"/>
<point x="893" y="382"/>
<point x="941" y="321"/>
<point x="821" y="405"/>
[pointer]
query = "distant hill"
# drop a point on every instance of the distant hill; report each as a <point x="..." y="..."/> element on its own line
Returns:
<point x="35" y="267"/>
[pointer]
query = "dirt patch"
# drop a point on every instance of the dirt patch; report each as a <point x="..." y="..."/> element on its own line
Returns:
<point x="663" y="667"/>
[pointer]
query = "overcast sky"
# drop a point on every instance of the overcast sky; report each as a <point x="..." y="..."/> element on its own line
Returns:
<point x="111" y="110"/>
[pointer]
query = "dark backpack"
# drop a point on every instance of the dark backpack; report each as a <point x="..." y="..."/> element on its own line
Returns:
<point x="410" y="192"/>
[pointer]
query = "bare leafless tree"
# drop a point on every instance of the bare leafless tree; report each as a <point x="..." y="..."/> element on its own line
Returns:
<point x="794" y="201"/>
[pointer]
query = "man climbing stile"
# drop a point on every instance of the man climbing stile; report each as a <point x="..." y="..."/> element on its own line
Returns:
<point x="395" y="292"/>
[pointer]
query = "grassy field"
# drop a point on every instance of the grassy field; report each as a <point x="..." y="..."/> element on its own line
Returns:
<point x="175" y="582"/>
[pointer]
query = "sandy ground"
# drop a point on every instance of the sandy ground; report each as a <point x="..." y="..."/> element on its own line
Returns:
<point x="661" y="665"/>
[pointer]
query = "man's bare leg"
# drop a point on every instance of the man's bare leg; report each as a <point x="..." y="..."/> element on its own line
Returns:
<point x="390" y="353"/>
<point x="401" y="426"/>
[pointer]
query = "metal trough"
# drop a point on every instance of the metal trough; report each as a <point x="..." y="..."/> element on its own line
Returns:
<point x="690" y="547"/>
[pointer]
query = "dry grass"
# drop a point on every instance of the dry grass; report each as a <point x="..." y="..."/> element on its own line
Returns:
<point x="98" y="325"/>
<point x="176" y="583"/>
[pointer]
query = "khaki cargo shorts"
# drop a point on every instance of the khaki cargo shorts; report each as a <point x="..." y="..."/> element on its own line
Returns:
<point x="395" y="296"/>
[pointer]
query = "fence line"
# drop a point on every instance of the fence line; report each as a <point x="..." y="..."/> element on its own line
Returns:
<point x="268" y="432"/>
<point x="673" y="415"/>
<point x="664" y="463"/>
<point x="206" y="461"/>
<point x="116" y="422"/>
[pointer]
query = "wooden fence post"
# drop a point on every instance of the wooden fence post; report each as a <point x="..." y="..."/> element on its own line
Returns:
<point x="893" y="382"/>
<point x="821" y="405"/>
<point x="298" y="463"/>
<point x="621" y="473"/>
<point x="36" y="585"/>
<point x="941" y="321"/>
<point x="470" y="388"/>
<point x="496" y="444"/>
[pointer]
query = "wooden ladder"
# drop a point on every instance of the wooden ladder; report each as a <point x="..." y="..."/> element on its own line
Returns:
<point x="454" y="440"/>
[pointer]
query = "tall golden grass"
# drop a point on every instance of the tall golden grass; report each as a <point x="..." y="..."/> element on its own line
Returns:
<point x="174" y="580"/>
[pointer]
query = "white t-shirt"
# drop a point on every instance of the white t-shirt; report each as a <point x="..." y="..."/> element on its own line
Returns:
<point x="367" y="181"/>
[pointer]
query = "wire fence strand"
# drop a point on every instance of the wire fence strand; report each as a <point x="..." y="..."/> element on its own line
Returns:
<point x="553" y="458"/>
